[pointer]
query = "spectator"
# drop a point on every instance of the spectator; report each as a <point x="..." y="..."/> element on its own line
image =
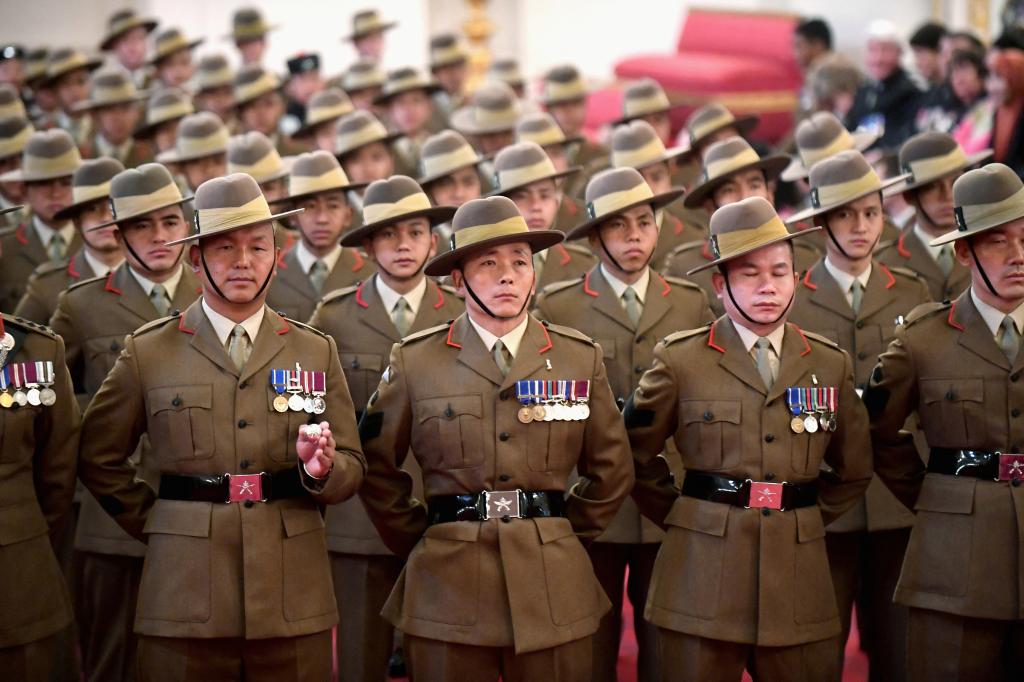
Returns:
<point x="925" y="44"/>
<point x="958" y="40"/>
<point x="996" y="121"/>
<point x="833" y="84"/>
<point x="812" y="42"/>
<point x="965" y="87"/>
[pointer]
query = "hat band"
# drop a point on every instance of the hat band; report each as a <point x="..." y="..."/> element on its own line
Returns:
<point x="451" y="53"/>
<point x="361" y="81"/>
<point x="990" y="215"/>
<point x="267" y="167"/>
<point x="719" y="168"/>
<point x="253" y="29"/>
<point x="214" y="79"/>
<point x="441" y="164"/>
<point x="931" y="168"/>
<point x="374" y="132"/>
<point x="168" y="112"/>
<point x="701" y="128"/>
<point x="514" y="177"/>
<point x="329" y="113"/>
<point x="367" y="24"/>
<point x="493" y="117"/>
<point x="547" y="136"/>
<point x="640" y="106"/>
<point x="83" y="193"/>
<point x="841" y="192"/>
<point x="648" y="152"/>
<point x="334" y="179"/>
<point x="609" y="203"/>
<point x="75" y="61"/>
<point x="123" y="25"/>
<point x="261" y="86"/>
<point x="414" y="82"/>
<point x="214" y="143"/>
<point x="41" y="165"/>
<point x="143" y="203"/>
<point x="170" y="46"/>
<point x="16" y="143"/>
<point x="735" y="242"/>
<point x="212" y="220"/>
<point x="375" y="213"/>
<point x="469" y="236"/>
<point x="114" y="94"/>
<point x="14" y="108"/>
<point x="840" y="143"/>
<point x="575" y="89"/>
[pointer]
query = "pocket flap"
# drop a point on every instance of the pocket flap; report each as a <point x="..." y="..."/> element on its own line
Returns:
<point x="447" y="407"/>
<point x="947" y="494"/>
<point x="368" y="361"/>
<point x="809" y="525"/>
<point x="954" y="390"/>
<point x="301" y="521"/>
<point x="179" y="517"/>
<point x="553" y="529"/>
<point x="464" y="531"/>
<point x="710" y="411"/>
<point x="699" y="515"/>
<point x="607" y="347"/>
<point x="179" y="398"/>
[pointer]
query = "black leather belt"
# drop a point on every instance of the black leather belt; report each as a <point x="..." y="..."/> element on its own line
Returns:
<point x="495" y="504"/>
<point x="748" y="493"/>
<point x="224" y="488"/>
<point x="994" y="466"/>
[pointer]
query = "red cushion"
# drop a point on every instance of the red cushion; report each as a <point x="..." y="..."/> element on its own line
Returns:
<point x="709" y="73"/>
<point x="759" y="36"/>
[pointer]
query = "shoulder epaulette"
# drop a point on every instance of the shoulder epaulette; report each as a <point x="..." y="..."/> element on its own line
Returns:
<point x="448" y="289"/>
<point x="29" y="325"/>
<point x="50" y="267"/>
<point x="562" y="285"/>
<point x="340" y="293"/>
<point x="687" y="246"/>
<point x="157" y="323"/>
<point x="811" y="336"/>
<point x="680" y="282"/>
<point x="925" y="310"/>
<point x="303" y="325"/>
<point x="576" y="248"/>
<point x="424" y="333"/>
<point x="567" y="332"/>
<point x="685" y="334"/>
<point x="887" y="244"/>
<point x="82" y="283"/>
<point x="905" y="272"/>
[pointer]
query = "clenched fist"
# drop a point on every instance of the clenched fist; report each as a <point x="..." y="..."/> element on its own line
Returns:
<point x="315" y="446"/>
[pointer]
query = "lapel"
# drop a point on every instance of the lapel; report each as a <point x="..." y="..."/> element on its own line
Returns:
<point x="32" y="247"/>
<point x="974" y="333"/>
<point x="878" y="292"/>
<point x="530" y="358"/>
<point x="348" y="262"/>
<point x="919" y="259"/>
<point x="735" y="359"/>
<point x="78" y="267"/>
<point x="291" y="274"/>
<point x="372" y="312"/>
<point x="472" y="352"/>
<point x="792" y="366"/>
<point x="130" y="295"/>
<point x="270" y="340"/>
<point x="605" y="300"/>
<point x="188" y="289"/>
<point x="826" y="293"/>
<point x="428" y="315"/>
<point x="656" y="303"/>
<point x="204" y="339"/>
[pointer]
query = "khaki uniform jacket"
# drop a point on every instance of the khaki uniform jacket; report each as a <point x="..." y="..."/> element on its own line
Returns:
<point x="964" y="554"/>
<point x="570" y="214"/>
<point x="907" y="251"/>
<point x="565" y="261"/>
<point x="593" y="158"/>
<point x="357" y="321"/>
<point x="821" y="307"/>
<point x="527" y="583"/>
<point x="21" y="252"/>
<point x="669" y="306"/>
<point x="138" y="152"/>
<point x="678" y="225"/>
<point x="38" y="452"/>
<point x="47" y="283"/>
<point x="291" y="293"/>
<point x="220" y="570"/>
<point x="726" y="572"/>
<point x="94" y="317"/>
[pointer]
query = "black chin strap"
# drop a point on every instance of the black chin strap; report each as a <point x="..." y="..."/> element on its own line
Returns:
<point x="742" y="312"/>
<point x="984" y="275"/>
<point x="920" y="209"/>
<point x="213" y="283"/>
<point x="600" y="240"/>
<point x="128" y="245"/>
<point x="835" y="242"/>
<point x="488" y="310"/>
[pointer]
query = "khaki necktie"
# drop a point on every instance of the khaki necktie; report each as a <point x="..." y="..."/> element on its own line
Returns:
<point x="401" y="315"/>
<point x="160" y="300"/>
<point x="763" y="359"/>
<point x="239" y="347"/>
<point x="502" y="357"/>
<point x="55" y="249"/>
<point x="857" y="295"/>
<point x="945" y="259"/>
<point x="318" y="274"/>
<point x="1009" y="340"/>
<point x="631" y="302"/>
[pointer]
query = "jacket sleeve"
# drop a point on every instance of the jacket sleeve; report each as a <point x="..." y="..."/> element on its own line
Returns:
<point x="63" y="323"/>
<point x="848" y="453"/>
<point x="57" y="436"/>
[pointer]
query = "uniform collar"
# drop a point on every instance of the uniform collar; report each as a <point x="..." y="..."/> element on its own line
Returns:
<point x="99" y="268"/>
<point x="45" y="232"/>
<point x="510" y="340"/>
<point x="171" y="285"/>
<point x="619" y="287"/>
<point x="994" y="318"/>
<point x="389" y="297"/>
<point x="844" y="279"/>
<point x="306" y="257"/>
<point x="223" y="326"/>
<point x="749" y="338"/>
<point x="926" y="239"/>
<point x="107" y="148"/>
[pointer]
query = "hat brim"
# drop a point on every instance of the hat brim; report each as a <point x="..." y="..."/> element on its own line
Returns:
<point x="225" y="230"/>
<point x="69" y="212"/>
<point x="444" y="263"/>
<point x="505" y="191"/>
<point x="656" y="202"/>
<point x="92" y="105"/>
<point x="771" y="165"/>
<point x="91" y="65"/>
<point x="718" y="261"/>
<point x="955" y="235"/>
<point x="671" y="154"/>
<point x="811" y="212"/>
<point x="11" y="209"/>
<point x="133" y="216"/>
<point x="108" y="42"/>
<point x="744" y="124"/>
<point x="462" y="59"/>
<point x="18" y="175"/>
<point x="462" y="121"/>
<point x="147" y="130"/>
<point x="267" y="28"/>
<point x="343" y="188"/>
<point x="171" y="156"/>
<point x="972" y="160"/>
<point x="190" y="45"/>
<point x="429" y="88"/>
<point x="435" y="214"/>
<point x="380" y="28"/>
<point x="427" y="179"/>
<point x="239" y="103"/>
<point x="388" y="139"/>
<point x="796" y="170"/>
<point x="306" y="129"/>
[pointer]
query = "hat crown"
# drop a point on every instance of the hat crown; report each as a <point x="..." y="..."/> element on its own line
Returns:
<point x="251" y="73"/>
<point x="521" y="155"/>
<point x="149" y="178"/>
<point x="357" y="121"/>
<point x="926" y="145"/>
<point x="991" y="184"/>
<point x="213" y="62"/>
<point x="539" y="122"/>
<point x="611" y="181"/>
<point x="747" y="214"/>
<point x="168" y="97"/>
<point x="489" y="211"/>
<point x="634" y="135"/>
<point x="170" y="35"/>
<point x="329" y="98"/>
<point x="843" y="167"/>
<point x="443" y="40"/>
<point x="564" y="73"/>
<point x="231" y="191"/>
<point x="12" y="125"/>
<point x="364" y="66"/>
<point x="248" y="148"/>
<point x="113" y="78"/>
<point x="96" y="171"/>
<point x="819" y="130"/>
<point x="50" y="144"/>
<point x="314" y="164"/>
<point x="494" y="96"/>
<point x="200" y="125"/>
<point x="444" y="142"/>
<point x="733" y="148"/>
<point x="8" y="94"/>
<point x="708" y="113"/>
<point x="246" y="16"/>
<point x="642" y="89"/>
<point x="391" y="190"/>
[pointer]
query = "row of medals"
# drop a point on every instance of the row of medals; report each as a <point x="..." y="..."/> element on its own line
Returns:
<point x="310" y="404"/>
<point x="548" y="412"/>
<point x="812" y="421"/>
<point x="34" y="395"/>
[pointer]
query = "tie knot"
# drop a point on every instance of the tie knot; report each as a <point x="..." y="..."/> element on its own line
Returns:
<point x="1008" y="325"/>
<point x="238" y="331"/>
<point x="763" y="343"/>
<point x="629" y="294"/>
<point x="402" y="304"/>
<point x="318" y="266"/>
<point x="158" y="290"/>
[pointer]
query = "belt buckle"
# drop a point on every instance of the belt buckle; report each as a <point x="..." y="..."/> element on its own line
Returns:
<point x="764" y="495"/>
<point x="502" y="503"/>
<point x="1011" y="466"/>
<point x="245" y="487"/>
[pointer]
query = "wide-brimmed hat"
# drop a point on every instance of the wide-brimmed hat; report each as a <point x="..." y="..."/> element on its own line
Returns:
<point x="711" y="118"/>
<point x="443" y="154"/>
<point x="366" y="22"/>
<point x="110" y="87"/>
<point x="643" y="98"/>
<point x="724" y="159"/>
<point x="213" y="71"/>
<point x="363" y="74"/>
<point x="227" y="204"/>
<point x="35" y="65"/>
<point x="315" y="173"/>
<point x="405" y="79"/>
<point x="253" y="153"/>
<point x="522" y="164"/>
<point x="136" y="192"/>
<point x="506" y="71"/>
<point x="493" y="108"/>
<point x="542" y="128"/>
<point x="820" y="136"/>
<point x="10" y="102"/>
<point x="984" y="198"/>
<point x="66" y="60"/>
<point x="15" y="132"/>
<point x="164" y="106"/>
<point x="248" y="23"/>
<point x="562" y="84"/>
<point x="928" y="156"/>
<point x="386" y="202"/>
<point x="614" y="191"/>
<point x="48" y="155"/>
<point x="840" y="180"/>
<point x="359" y="129"/>
<point x="253" y="81"/>
<point x="199" y="135"/>
<point x="637" y="145"/>
<point x="484" y="223"/>
<point x="121" y="22"/>
<point x="90" y="183"/>
<point x="745" y="226"/>
<point x="329" y="104"/>
<point x="446" y="50"/>
<point x="170" y="41"/>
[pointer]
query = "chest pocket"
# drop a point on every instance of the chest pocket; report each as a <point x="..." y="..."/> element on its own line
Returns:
<point x="951" y="411"/>
<point x="283" y="429"/>
<point x="101" y="353"/>
<point x="711" y="432"/>
<point x="362" y="372"/>
<point x="449" y="430"/>
<point x="182" y="422"/>
<point x="17" y="434"/>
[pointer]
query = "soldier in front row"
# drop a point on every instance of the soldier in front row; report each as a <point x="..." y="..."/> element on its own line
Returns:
<point x="498" y="409"/>
<point x="756" y="407"/>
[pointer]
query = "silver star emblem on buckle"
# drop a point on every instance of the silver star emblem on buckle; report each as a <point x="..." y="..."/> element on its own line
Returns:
<point x="503" y="505"/>
<point x="1016" y="468"/>
<point x="246" y="488"/>
<point x="765" y="494"/>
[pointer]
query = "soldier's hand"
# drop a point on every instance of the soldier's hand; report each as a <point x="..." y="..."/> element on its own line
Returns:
<point x="315" y="446"/>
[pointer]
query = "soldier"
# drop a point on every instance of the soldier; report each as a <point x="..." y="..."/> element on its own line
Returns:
<point x="365" y="149"/>
<point x="958" y="364"/>
<point x="364" y="81"/>
<point x="254" y="154"/>
<point x="236" y="579"/>
<point x="172" y="58"/>
<point x="214" y="87"/>
<point x="564" y="95"/>
<point x="164" y="112"/>
<point x="525" y="174"/>
<point x="506" y="71"/>
<point x="93" y="317"/>
<point x="15" y="132"/>
<point x="318" y="264"/>
<point x="114" y="106"/>
<point x="489" y="120"/>
<point x="742" y="578"/>
<point x="934" y="161"/>
<point x="407" y="98"/>
<point x="10" y="98"/>
<point x="40" y="448"/>
<point x="260" y="106"/>
<point x="126" y="40"/>
<point x="450" y="176"/>
<point x="249" y="32"/>
<point x="714" y="123"/>
<point x="625" y="307"/>
<point x="100" y="252"/>
<point x="200" y="150"/>
<point x="646" y="100"/>
<point x="47" y="165"/>
<point x="542" y="129"/>
<point x="479" y="597"/>
<point x="365" y="321"/>
<point x="449" y="65"/>
<point x="325" y="109"/>
<point x="854" y="300"/>
<point x="367" y="34"/>
<point x="67" y="72"/>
